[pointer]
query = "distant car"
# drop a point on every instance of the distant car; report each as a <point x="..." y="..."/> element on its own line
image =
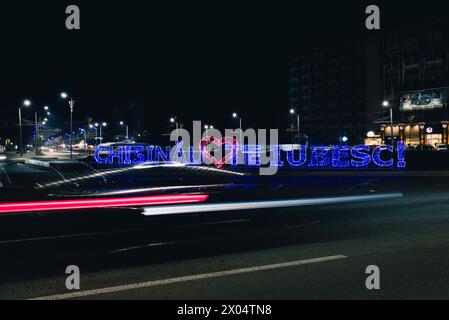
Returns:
<point x="441" y="147"/>
<point x="426" y="147"/>
<point x="411" y="147"/>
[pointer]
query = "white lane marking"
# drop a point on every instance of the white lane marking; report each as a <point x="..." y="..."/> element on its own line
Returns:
<point x="251" y="205"/>
<point x="151" y="245"/>
<point x="204" y="276"/>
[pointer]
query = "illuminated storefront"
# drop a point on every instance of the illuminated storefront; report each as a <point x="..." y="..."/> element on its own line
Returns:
<point x="417" y="133"/>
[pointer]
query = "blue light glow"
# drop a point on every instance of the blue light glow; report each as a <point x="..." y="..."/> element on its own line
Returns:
<point x="361" y="155"/>
<point x="341" y="157"/>
<point x="320" y="157"/>
<point x="377" y="156"/>
<point x="332" y="157"/>
<point x="291" y="157"/>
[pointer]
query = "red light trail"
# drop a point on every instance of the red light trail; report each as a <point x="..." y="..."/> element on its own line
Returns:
<point x="76" y="204"/>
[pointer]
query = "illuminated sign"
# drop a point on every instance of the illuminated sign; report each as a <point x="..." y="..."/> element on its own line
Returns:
<point x="422" y="100"/>
<point x="335" y="157"/>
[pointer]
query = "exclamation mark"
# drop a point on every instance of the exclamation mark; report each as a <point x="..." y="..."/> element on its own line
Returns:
<point x="401" y="154"/>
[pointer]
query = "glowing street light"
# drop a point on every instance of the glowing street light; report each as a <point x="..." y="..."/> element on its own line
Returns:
<point x="64" y="96"/>
<point x="25" y="103"/>
<point x="103" y="124"/>
<point x="122" y="123"/>
<point x="235" y="116"/>
<point x="174" y="120"/>
<point x="293" y="112"/>
<point x="386" y="104"/>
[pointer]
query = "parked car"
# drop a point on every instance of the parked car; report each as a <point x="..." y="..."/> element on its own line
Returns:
<point x="411" y="147"/>
<point x="426" y="147"/>
<point x="441" y="147"/>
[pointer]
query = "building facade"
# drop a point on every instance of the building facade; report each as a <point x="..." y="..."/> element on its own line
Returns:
<point x="335" y="88"/>
<point x="415" y="80"/>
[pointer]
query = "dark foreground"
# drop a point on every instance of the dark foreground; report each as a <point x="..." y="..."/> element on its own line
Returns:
<point x="408" y="239"/>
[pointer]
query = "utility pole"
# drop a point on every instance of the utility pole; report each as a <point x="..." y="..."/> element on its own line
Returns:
<point x="36" y="132"/>
<point x="20" y="131"/>
<point x="391" y="126"/>
<point x="72" y="106"/>
<point x="299" y="137"/>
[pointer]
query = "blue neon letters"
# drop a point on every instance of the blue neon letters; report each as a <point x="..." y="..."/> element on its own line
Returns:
<point x="336" y="157"/>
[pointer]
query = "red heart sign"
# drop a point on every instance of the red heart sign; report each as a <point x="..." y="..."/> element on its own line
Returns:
<point x="219" y="143"/>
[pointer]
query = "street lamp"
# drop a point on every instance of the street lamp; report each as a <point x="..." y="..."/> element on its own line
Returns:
<point x="386" y="104"/>
<point x="175" y="121"/>
<point x="91" y="126"/>
<point x="25" y="103"/>
<point x="64" y="95"/>
<point x="293" y="112"/>
<point x="127" y="128"/>
<point x="235" y="116"/>
<point x="104" y="124"/>
<point x="38" y="123"/>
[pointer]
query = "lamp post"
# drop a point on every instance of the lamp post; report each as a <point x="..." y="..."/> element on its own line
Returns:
<point x="26" y="103"/>
<point x="64" y="96"/>
<point x="126" y="127"/>
<point x="293" y="112"/>
<point x="386" y="104"/>
<point x="96" y="131"/>
<point x="174" y="120"/>
<point x="104" y="124"/>
<point x="235" y="116"/>
<point x="38" y="122"/>
<point x="36" y="132"/>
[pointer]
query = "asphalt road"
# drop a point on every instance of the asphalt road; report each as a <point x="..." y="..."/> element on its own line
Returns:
<point x="300" y="253"/>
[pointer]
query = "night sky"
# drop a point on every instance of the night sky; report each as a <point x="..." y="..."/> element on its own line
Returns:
<point x="198" y="60"/>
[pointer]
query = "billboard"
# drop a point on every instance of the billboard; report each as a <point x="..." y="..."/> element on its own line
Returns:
<point x="422" y="100"/>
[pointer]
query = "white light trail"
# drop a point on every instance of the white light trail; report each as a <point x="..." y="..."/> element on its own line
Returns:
<point x="269" y="204"/>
